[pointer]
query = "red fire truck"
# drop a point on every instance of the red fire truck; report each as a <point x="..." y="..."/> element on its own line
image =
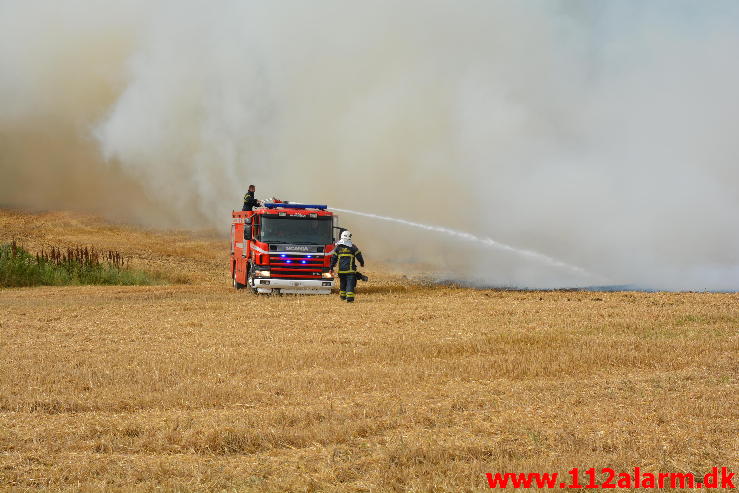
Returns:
<point x="283" y="248"/>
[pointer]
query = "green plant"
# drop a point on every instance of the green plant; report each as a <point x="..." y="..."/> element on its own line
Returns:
<point x="70" y="266"/>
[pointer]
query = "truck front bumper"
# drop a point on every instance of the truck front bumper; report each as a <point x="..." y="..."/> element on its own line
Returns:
<point x="293" y="286"/>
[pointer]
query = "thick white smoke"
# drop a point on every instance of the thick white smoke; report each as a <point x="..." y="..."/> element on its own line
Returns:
<point x="602" y="134"/>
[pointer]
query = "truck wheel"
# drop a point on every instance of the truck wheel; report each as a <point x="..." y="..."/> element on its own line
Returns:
<point x="250" y="279"/>
<point x="250" y="283"/>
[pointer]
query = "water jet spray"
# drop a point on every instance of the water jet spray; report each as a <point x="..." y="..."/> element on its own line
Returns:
<point x="484" y="241"/>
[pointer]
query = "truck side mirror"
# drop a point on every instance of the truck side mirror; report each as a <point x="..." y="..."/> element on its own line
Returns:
<point x="247" y="228"/>
<point x="335" y="227"/>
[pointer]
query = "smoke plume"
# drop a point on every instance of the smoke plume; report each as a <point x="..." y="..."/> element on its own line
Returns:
<point x="601" y="134"/>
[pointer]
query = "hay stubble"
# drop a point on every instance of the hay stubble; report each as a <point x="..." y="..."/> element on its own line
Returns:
<point x="415" y="387"/>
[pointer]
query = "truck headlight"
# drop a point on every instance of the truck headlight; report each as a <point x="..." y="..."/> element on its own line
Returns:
<point x="261" y="273"/>
<point x="327" y="275"/>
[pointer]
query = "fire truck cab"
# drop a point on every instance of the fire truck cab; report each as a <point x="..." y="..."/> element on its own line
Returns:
<point x="283" y="248"/>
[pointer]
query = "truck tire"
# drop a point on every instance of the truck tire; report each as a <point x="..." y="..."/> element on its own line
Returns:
<point x="250" y="279"/>
<point x="249" y="283"/>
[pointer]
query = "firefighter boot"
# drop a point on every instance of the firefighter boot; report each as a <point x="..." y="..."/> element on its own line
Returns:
<point x="342" y="295"/>
<point x="350" y="297"/>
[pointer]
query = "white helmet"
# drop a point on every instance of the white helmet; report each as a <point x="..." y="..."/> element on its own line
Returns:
<point x="346" y="235"/>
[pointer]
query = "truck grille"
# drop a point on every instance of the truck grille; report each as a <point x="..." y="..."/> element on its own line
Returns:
<point x="298" y="266"/>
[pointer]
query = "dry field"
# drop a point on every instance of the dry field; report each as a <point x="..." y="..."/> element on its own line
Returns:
<point x="194" y="386"/>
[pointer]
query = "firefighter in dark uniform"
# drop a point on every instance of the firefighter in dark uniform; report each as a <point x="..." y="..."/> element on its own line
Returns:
<point x="249" y="201"/>
<point x="346" y="254"/>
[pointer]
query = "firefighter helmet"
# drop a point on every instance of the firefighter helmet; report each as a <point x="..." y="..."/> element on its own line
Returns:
<point x="346" y="235"/>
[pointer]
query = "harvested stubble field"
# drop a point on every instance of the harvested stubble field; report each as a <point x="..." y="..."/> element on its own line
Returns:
<point x="416" y="387"/>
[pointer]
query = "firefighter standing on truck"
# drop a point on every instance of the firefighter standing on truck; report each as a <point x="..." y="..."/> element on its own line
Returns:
<point x="249" y="201"/>
<point x="346" y="254"/>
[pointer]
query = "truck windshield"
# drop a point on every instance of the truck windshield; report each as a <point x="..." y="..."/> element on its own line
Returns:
<point x="297" y="230"/>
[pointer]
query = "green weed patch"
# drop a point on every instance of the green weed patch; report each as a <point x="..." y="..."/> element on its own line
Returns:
<point x="71" y="266"/>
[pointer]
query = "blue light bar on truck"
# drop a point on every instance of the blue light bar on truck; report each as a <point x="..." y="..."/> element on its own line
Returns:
<point x="295" y="206"/>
